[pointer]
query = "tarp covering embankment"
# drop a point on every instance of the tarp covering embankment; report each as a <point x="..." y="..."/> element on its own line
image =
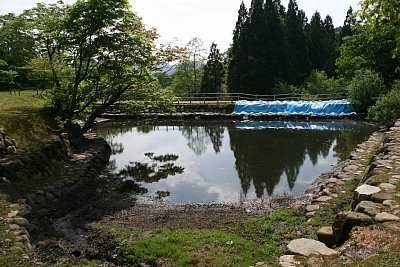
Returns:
<point x="329" y="107"/>
<point x="295" y="125"/>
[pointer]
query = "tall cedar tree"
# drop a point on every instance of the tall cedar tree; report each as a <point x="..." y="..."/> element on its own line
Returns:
<point x="347" y="25"/>
<point x="298" y="65"/>
<point x="262" y="41"/>
<point x="322" y="44"/>
<point x="236" y="53"/>
<point x="213" y="72"/>
<point x="331" y="48"/>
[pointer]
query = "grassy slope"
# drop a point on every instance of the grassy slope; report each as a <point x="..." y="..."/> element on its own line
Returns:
<point x="24" y="118"/>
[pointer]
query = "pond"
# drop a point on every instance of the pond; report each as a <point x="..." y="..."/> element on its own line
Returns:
<point x="226" y="162"/>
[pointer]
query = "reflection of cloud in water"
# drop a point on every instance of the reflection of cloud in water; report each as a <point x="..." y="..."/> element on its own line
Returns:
<point x="236" y="161"/>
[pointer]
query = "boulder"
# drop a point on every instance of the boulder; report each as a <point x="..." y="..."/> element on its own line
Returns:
<point x="21" y="222"/>
<point x="307" y="247"/>
<point x="387" y="187"/>
<point x="289" y="261"/>
<point x="322" y="199"/>
<point x="380" y="197"/>
<point x="368" y="207"/>
<point x="311" y="208"/>
<point x="325" y="235"/>
<point x="363" y="192"/>
<point x="345" y="221"/>
<point x="386" y="217"/>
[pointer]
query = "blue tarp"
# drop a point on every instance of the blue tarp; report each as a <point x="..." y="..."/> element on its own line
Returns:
<point x="330" y="107"/>
<point x="298" y="125"/>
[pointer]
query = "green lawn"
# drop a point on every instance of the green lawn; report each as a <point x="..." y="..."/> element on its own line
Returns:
<point x="25" y="118"/>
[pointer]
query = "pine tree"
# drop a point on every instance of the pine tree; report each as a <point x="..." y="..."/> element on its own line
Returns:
<point x="331" y="48"/>
<point x="297" y="51"/>
<point x="347" y="25"/>
<point x="236" y="52"/>
<point x="316" y="33"/>
<point x="213" y="72"/>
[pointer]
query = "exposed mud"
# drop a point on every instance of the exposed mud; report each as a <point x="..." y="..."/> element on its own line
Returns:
<point x="76" y="228"/>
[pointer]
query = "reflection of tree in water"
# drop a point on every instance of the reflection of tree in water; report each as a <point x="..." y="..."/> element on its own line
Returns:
<point x="154" y="169"/>
<point x="198" y="137"/>
<point x="347" y="140"/>
<point x="216" y="134"/>
<point x="262" y="156"/>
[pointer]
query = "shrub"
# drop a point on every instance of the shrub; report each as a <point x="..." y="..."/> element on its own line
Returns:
<point x="364" y="89"/>
<point x="387" y="109"/>
<point x="319" y="83"/>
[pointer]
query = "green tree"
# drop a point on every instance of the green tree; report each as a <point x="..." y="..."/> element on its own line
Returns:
<point x="297" y="51"/>
<point x="380" y="14"/>
<point x="386" y="111"/>
<point x="236" y="53"/>
<point x="375" y="41"/>
<point x="7" y="76"/>
<point x="364" y="89"/>
<point x="195" y="54"/>
<point x="104" y="52"/>
<point x="17" y="46"/>
<point x="347" y="25"/>
<point x="214" y="72"/>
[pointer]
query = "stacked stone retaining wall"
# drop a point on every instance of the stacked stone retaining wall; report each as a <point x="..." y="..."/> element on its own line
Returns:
<point x="65" y="172"/>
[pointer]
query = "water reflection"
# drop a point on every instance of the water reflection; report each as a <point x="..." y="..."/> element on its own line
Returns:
<point x="225" y="161"/>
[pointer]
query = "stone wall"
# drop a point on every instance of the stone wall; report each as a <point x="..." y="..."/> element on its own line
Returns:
<point x="7" y="145"/>
<point x="35" y="165"/>
<point x="64" y="172"/>
<point x="375" y="167"/>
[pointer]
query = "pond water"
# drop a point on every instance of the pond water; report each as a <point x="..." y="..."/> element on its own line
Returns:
<point x="225" y="162"/>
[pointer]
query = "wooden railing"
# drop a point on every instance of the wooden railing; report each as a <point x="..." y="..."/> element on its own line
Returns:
<point x="200" y="98"/>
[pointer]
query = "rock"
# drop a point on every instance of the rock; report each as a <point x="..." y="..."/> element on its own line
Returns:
<point x="24" y="212"/>
<point x="288" y="261"/>
<point x="322" y="199"/>
<point x="393" y="181"/>
<point x="325" y="235"/>
<point x="350" y="168"/>
<point x="345" y="221"/>
<point x="386" y="217"/>
<point x="307" y="247"/>
<point x="363" y="192"/>
<point x="21" y="222"/>
<point x="390" y="203"/>
<point x="310" y="214"/>
<point x="368" y="207"/>
<point x="332" y="180"/>
<point x="14" y="227"/>
<point x="11" y="150"/>
<point x="260" y="264"/>
<point x="311" y="208"/>
<point x="387" y="187"/>
<point x="380" y="197"/>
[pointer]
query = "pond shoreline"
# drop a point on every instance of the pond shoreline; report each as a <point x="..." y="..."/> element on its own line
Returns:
<point x="89" y="220"/>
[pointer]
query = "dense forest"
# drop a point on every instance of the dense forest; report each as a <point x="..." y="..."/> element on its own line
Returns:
<point x="76" y="60"/>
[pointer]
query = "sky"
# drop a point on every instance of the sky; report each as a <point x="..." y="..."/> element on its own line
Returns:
<point x="209" y="20"/>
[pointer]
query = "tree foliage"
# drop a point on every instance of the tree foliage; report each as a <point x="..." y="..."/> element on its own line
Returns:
<point x="386" y="111"/>
<point x="98" y="50"/>
<point x="364" y="89"/>
<point x="271" y="46"/>
<point x="214" y="72"/>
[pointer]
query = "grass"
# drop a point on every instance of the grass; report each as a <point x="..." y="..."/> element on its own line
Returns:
<point x="240" y="244"/>
<point x="25" y="118"/>
<point x="326" y="214"/>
